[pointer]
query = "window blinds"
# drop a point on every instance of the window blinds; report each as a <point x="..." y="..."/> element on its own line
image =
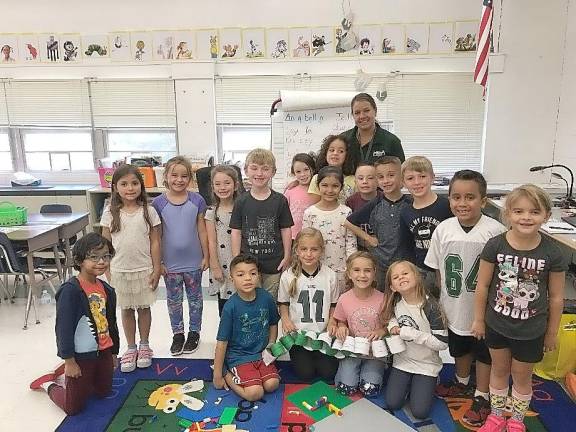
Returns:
<point x="437" y="115"/>
<point x="48" y="103"/>
<point x="133" y="103"/>
<point x="3" y="107"/>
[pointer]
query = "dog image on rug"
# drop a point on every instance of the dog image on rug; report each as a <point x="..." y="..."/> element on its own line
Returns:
<point x="168" y="397"/>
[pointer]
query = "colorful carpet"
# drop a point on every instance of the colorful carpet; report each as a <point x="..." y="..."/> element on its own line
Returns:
<point x="128" y="408"/>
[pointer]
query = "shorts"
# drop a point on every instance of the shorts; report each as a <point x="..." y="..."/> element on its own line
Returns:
<point x="460" y="346"/>
<point x="527" y="351"/>
<point x="253" y="373"/>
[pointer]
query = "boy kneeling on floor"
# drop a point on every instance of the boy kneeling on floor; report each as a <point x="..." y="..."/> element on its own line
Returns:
<point x="249" y="323"/>
<point x="86" y="331"/>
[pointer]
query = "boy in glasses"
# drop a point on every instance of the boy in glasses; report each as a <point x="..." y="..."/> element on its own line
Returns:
<point x="86" y="332"/>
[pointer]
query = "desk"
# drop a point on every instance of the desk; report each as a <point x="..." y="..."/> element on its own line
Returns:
<point x="36" y="237"/>
<point x="69" y="224"/>
<point x="568" y="240"/>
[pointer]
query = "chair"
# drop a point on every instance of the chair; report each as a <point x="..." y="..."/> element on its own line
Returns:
<point x="205" y="185"/>
<point x="59" y="209"/>
<point x="15" y="264"/>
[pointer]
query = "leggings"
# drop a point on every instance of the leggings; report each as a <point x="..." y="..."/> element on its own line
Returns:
<point x="421" y="388"/>
<point x="312" y="364"/>
<point x="96" y="378"/>
<point x="192" y="282"/>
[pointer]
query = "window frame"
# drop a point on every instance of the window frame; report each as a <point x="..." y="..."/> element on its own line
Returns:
<point x="6" y="130"/>
<point x="19" y="145"/>
<point x="106" y="140"/>
<point x="220" y="127"/>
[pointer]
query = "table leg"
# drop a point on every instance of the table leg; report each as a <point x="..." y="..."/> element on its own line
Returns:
<point x="58" y="263"/>
<point x="69" y="262"/>
<point x="31" y="291"/>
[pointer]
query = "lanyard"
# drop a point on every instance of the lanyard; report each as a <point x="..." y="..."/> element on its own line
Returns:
<point x="369" y="145"/>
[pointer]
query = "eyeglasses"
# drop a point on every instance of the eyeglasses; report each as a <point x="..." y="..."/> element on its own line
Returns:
<point x="97" y="258"/>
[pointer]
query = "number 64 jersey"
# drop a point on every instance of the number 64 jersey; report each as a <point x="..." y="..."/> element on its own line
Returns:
<point x="456" y="254"/>
<point x="315" y="294"/>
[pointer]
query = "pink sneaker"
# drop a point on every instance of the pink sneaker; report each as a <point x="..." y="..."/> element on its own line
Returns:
<point x="145" y="355"/>
<point x="494" y="423"/>
<point x="514" y="425"/>
<point x="128" y="361"/>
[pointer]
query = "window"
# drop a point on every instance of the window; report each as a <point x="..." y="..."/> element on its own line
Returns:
<point x="237" y="140"/>
<point x="127" y="143"/>
<point x="58" y="149"/>
<point x="5" y="154"/>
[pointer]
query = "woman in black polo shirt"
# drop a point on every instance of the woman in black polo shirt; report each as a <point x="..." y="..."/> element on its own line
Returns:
<point x="367" y="139"/>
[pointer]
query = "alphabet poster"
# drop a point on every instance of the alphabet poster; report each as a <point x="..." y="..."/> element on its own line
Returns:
<point x="141" y="46"/>
<point x="441" y="37"/>
<point x="254" y="43"/>
<point x="163" y="46"/>
<point x="28" y="48"/>
<point x="120" y="46"/>
<point x="95" y="47"/>
<point x="277" y="43"/>
<point x="323" y="42"/>
<point x="50" y="48"/>
<point x="230" y="43"/>
<point x="300" y="42"/>
<point x="71" y="48"/>
<point x="417" y="38"/>
<point x="369" y="38"/>
<point x="393" y="40"/>
<point x="8" y="48"/>
<point x="184" y="43"/>
<point x="207" y="44"/>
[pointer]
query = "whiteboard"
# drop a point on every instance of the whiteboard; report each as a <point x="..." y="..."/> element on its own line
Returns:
<point x="303" y="131"/>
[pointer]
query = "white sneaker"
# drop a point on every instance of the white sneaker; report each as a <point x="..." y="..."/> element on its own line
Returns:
<point x="128" y="361"/>
<point x="145" y="355"/>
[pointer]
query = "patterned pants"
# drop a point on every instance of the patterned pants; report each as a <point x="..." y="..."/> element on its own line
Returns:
<point x="175" y="284"/>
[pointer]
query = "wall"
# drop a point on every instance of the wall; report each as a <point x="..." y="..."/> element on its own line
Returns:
<point x="523" y="102"/>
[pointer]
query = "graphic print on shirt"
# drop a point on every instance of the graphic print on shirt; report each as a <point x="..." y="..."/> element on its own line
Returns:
<point x="422" y="229"/>
<point x="253" y="329"/>
<point x="518" y="285"/>
<point x="98" y="309"/>
<point x="261" y="240"/>
<point x="364" y="320"/>
<point x="407" y="321"/>
<point x="305" y="300"/>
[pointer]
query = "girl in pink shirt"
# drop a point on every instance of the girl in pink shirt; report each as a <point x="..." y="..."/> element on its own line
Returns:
<point x="303" y="168"/>
<point x="358" y="314"/>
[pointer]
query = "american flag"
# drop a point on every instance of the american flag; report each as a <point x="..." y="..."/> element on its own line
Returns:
<point x="481" y="66"/>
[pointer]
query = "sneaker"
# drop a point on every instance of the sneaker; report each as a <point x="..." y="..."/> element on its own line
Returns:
<point x="145" y="355"/>
<point x="50" y="376"/>
<point x="177" y="346"/>
<point x="192" y="341"/>
<point x="494" y="423"/>
<point x="128" y="360"/>
<point x="476" y="415"/>
<point x="514" y="425"/>
<point x="453" y="389"/>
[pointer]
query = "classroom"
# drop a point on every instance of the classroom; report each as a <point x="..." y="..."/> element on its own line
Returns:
<point x="375" y="215"/>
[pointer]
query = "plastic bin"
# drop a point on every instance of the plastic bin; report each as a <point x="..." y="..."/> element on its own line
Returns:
<point x="105" y="176"/>
<point x="148" y="175"/>
<point x="11" y="214"/>
<point x="159" y="174"/>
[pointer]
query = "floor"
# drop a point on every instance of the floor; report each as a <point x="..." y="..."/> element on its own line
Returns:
<point x="27" y="354"/>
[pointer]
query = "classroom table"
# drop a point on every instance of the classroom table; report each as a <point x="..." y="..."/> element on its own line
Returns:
<point x="36" y="238"/>
<point x="69" y="224"/>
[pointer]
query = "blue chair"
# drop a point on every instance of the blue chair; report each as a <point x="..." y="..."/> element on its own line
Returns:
<point x="15" y="264"/>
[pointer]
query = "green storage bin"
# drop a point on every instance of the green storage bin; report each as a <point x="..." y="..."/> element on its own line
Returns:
<point x="11" y="214"/>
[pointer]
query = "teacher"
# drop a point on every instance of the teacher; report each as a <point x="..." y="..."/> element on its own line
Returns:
<point x="368" y="141"/>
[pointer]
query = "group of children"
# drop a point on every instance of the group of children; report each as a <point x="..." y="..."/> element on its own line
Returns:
<point x="343" y="251"/>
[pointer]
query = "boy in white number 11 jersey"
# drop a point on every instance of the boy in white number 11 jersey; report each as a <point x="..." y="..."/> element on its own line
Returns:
<point x="454" y="253"/>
